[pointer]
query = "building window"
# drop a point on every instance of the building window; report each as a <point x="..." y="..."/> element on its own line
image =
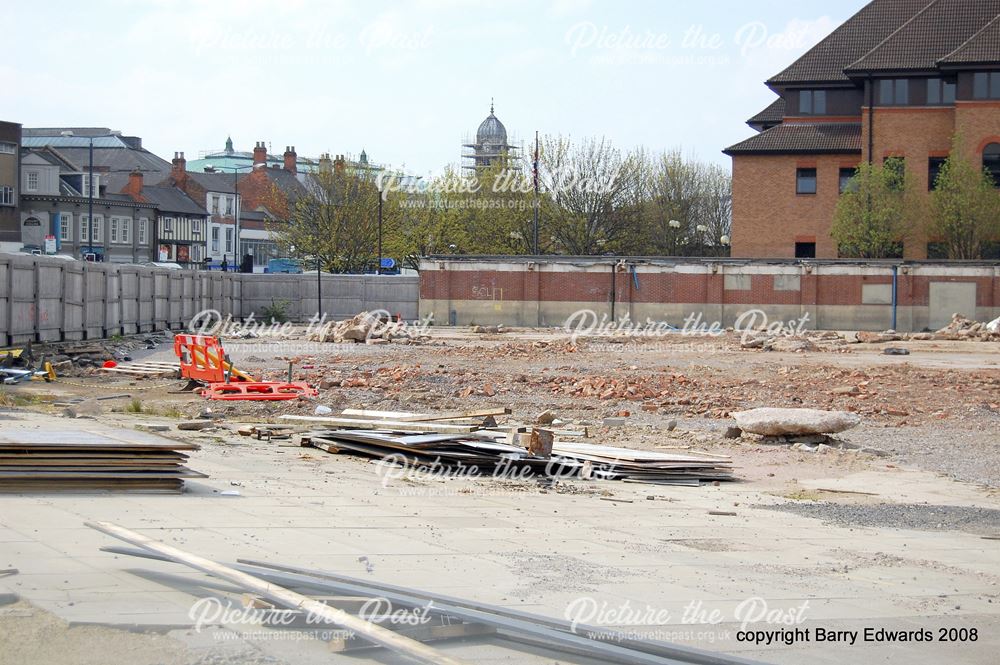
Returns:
<point x="86" y="185"/>
<point x="98" y="229"/>
<point x="126" y="230"/>
<point x="32" y="184"/>
<point x="215" y="239"/>
<point x="114" y="229"/>
<point x="84" y="228"/>
<point x="8" y="148"/>
<point x="805" y="181"/>
<point x="66" y="226"/>
<point x="934" y="165"/>
<point x="211" y="204"/>
<point x="168" y="224"/>
<point x="991" y="162"/>
<point x="7" y="196"/>
<point x="805" y="250"/>
<point x="986" y="85"/>
<point x="812" y="102"/>
<point x="196" y="227"/>
<point x="894" y="92"/>
<point x="143" y="222"/>
<point x="229" y="240"/>
<point x="845" y="179"/>
<point x="229" y="206"/>
<point x="940" y="92"/>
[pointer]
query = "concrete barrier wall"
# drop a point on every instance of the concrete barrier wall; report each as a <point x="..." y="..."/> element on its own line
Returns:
<point x="45" y="300"/>
<point x="835" y="295"/>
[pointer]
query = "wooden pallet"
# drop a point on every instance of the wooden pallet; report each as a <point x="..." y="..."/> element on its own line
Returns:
<point x="147" y="368"/>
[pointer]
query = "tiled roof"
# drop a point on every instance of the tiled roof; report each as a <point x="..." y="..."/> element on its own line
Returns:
<point x="214" y="182"/>
<point x="933" y="33"/>
<point x="982" y="47"/>
<point x="820" y="137"/>
<point x="773" y="114"/>
<point x="826" y="61"/>
<point x="171" y="199"/>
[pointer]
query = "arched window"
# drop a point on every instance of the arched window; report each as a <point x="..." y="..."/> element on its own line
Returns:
<point x="991" y="161"/>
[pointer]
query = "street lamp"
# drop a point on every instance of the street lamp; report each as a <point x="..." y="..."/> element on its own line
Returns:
<point x="236" y="194"/>
<point x="90" y="185"/>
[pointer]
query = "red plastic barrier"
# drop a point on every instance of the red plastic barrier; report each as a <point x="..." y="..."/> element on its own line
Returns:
<point x="258" y="390"/>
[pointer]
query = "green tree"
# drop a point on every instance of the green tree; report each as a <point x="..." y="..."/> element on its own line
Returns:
<point x="336" y="221"/>
<point x="964" y="206"/>
<point x="877" y="213"/>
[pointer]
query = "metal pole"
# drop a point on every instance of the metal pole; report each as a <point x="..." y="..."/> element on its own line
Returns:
<point x="378" y="269"/>
<point x="90" y="200"/>
<point x="319" y="287"/>
<point x="236" y="212"/>
<point x="535" y="246"/>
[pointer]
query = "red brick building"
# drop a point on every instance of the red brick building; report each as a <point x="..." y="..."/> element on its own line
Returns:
<point x="898" y="79"/>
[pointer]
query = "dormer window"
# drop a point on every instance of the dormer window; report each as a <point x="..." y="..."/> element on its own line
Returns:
<point x="812" y="102"/>
<point x="940" y="92"/>
<point x="894" y="92"/>
<point x="986" y="85"/>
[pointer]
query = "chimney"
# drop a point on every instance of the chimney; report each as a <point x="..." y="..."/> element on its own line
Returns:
<point x="338" y="164"/>
<point x="260" y="153"/>
<point x="290" y="159"/>
<point x="178" y="170"/>
<point x="325" y="165"/>
<point x="134" y="186"/>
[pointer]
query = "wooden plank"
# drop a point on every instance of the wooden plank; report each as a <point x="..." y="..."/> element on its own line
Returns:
<point x="285" y="597"/>
<point x="393" y="425"/>
<point x="458" y="415"/>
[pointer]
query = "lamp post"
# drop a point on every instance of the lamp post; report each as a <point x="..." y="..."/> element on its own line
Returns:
<point x="90" y="185"/>
<point x="378" y="269"/>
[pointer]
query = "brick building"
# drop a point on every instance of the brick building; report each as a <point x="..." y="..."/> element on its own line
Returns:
<point x="10" y="180"/>
<point x="898" y="79"/>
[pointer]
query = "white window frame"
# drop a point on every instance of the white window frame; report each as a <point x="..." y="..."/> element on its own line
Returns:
<point x="65" y="227"/>
<point x="168" y="224"/>
<point x="215" y="239"/>
<point x="113" y="223"/>
<point x="126" y="230"/>
<point x="6" y="196"/>
<point x="7" y="148"/>
<point x="229" y="241"/>
<point x="97" y="186"/>
<point x="196" y="227"/>
<point x="31" y="181"/>
<point x="98" y="230"/>
<point x="84" y="228"/>
<point x="143" y="224"/>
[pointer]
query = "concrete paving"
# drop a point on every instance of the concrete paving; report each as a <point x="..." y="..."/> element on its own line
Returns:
<point x="510" y="544"/>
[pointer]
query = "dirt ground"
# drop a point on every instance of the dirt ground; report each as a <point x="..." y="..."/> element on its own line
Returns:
<point x="937" y="410"/>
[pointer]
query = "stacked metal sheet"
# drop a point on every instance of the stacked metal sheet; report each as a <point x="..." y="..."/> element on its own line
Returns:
<point x="47" y="460"/>
<point x="492" y="446"/>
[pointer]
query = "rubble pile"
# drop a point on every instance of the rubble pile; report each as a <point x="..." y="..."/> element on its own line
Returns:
<point x="962" y="328"/>
<point x="363" y="328"/>
<point x="807" y="342"/>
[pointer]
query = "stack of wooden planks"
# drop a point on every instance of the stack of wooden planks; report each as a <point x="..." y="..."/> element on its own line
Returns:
<point x="456" y="440"/>
<point x="146" y="368"/>
<point x="48" y="460"/>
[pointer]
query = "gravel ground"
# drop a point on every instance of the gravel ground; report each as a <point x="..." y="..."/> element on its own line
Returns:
<point x="967" y="455"/>
<point x="982" y="521"/>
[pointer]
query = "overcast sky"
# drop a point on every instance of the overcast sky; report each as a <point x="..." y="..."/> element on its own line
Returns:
<point x="404" y="80"/>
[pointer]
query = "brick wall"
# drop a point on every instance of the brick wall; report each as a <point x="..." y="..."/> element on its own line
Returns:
<point x="523" y="292"/>
<point x="769" y="217"/>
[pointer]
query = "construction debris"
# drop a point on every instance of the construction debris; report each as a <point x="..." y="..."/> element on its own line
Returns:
<point x="963" y="328"/>
<point x="428" y="442"/>
<point x="366" y="327"/>
<point x="791" y="422"/>
<point x="60" y="460"/>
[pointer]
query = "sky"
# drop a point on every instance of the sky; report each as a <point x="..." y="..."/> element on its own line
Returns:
<point x="406" y="81"/>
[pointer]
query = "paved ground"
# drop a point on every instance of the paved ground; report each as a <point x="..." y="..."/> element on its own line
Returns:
<point x="846" y="542"/>
<point x="519" y="547"/>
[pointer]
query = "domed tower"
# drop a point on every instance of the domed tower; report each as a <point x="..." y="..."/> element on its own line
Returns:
<point x="491" y="144"/>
